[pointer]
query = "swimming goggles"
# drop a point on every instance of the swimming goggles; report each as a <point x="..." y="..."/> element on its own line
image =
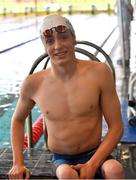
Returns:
<point x="59" y="29"/>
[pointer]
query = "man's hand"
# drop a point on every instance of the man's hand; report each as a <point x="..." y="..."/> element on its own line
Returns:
<point x="85" y="170"/>
<point x="19" y="172"/>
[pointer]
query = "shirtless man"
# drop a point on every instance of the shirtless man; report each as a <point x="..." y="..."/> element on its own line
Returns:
<point x="73" y="95"/>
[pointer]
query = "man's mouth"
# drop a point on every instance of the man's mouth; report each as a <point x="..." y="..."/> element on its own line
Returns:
<point x="60" y="54"/>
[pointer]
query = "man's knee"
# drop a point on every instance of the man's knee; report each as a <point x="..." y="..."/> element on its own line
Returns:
<point x="64" y="171"/>
<point x="112" y="169"/>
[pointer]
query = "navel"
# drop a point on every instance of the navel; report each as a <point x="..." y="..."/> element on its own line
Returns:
<point x="91" y="106"/>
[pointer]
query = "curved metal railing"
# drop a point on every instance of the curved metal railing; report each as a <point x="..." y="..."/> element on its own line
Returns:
<point x="132" y="100"/>
<point x="100" y="50"/>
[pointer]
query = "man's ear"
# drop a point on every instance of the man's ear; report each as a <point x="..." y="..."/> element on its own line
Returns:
<point x="75" y="42"/>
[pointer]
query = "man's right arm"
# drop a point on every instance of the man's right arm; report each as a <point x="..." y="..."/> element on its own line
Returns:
<point x="23" y="108"/>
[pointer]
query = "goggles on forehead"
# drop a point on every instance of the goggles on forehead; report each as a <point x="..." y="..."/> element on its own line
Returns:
<point x="59" y="29"/>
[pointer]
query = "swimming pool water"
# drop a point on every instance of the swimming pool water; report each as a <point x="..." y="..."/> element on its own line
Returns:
<point x="5" y="121"/>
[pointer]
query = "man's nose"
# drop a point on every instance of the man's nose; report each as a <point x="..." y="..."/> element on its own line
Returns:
<point x="58" y="43"/>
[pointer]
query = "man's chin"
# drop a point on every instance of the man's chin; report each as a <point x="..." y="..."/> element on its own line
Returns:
<point x="61" y="61"/>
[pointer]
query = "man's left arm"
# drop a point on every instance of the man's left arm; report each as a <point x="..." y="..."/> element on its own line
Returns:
<point x="111" y="110"/>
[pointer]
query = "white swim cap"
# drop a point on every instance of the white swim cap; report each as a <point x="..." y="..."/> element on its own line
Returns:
<point x="55" y="20"/>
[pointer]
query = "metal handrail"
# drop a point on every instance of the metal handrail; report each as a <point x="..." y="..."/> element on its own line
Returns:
<point x="131" y="112"/>
<point x="99" y="49"/>
<point x="131" y="86"/>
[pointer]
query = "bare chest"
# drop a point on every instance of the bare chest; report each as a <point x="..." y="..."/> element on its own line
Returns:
<point x="78" y="99"/>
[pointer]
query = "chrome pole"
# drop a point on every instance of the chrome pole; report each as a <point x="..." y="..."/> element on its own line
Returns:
<point x="29" y="131"/>
<point x="124" y="29"/>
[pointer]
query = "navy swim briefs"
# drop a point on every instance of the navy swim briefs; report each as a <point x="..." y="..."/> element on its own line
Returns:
<point x="82" y="158"/>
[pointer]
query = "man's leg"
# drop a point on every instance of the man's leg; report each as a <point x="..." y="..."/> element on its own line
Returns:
<point x="112" y="169"/>
<point x="65" y="171"/>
